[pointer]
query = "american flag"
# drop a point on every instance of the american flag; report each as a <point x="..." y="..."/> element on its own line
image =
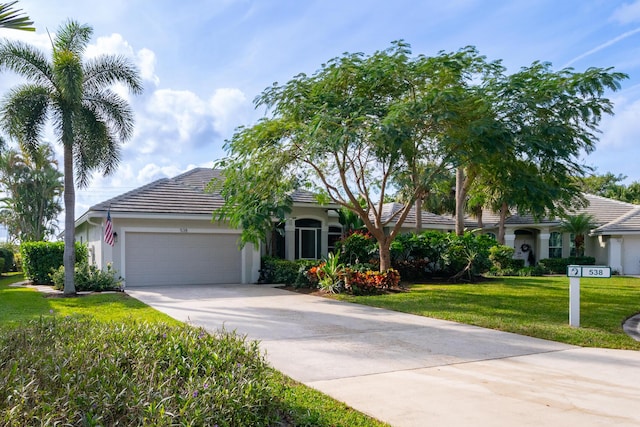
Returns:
<point x="108" y="230"/>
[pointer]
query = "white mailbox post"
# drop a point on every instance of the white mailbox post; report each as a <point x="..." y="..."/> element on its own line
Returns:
<point x="575" y="272"/>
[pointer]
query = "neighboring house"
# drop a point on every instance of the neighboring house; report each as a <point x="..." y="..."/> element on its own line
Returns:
<point x="615" y="242"/>
<point x="165" y="234"/>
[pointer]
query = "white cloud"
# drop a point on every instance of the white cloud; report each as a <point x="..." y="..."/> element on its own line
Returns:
<point x="115" y="44"/>
<point x="627" y="13"/>
<point x="152" y="172"/>
<point x="178" y="111"/>
<point x="227" y="106"/>
<point x="146" y="59"/>
<point x="621" y="130"/>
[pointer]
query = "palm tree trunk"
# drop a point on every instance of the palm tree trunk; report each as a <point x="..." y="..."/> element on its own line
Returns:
<point x="460" y="199"/>
<point x="418" y="208"/>
<point x="69" y="221"/>
<point x="503" y="217"/>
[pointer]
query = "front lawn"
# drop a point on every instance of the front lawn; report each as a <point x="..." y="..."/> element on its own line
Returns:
<point x="104" y="359"/>
<point x="534" y="306"/>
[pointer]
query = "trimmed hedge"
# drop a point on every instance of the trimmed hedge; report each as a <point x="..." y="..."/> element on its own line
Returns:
<point x="40" y="259"/>
<point x="6" y="254"/>
<point x="559" y="265"/>
<point x="276" y="270"/>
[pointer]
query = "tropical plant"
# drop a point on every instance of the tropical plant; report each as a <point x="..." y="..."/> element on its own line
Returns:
<point x="33" y="186"/>
<point x="329" y="273"/>
<point x="90" y="120"/>
<point x="13" y="19"/>
<point x="349" y="220"/>
<point x="579" y="225"/>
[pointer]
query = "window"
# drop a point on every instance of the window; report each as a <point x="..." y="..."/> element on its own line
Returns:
<point x="277" y="244"/>
<point x="555" y="245"/>
<point x="335" y="234"/>
<point x="572" y="245"/>
<point x="308" y="232"/>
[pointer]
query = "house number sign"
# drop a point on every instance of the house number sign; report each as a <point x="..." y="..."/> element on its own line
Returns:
<point x="184" y="230"/>
<point x="575" y="272"/>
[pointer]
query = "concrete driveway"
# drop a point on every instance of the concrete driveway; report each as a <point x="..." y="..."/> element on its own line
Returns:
<point x="414" y="371"/>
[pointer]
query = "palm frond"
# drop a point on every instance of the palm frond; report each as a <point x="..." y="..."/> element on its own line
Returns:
<point x="95" y="146"/>
<point x="24" y="114"/>
<point x="106" y="70"/>
<point x="113" y="110"/>
<point x="73" y="37"/>
<point x="13" y="18"/>
<point x="26" y="61"/>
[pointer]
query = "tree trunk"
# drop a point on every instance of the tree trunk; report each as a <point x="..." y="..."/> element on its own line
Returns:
<point x="385" y="254"/>
<point x="69" y="222"/>
<point x="418" y="215"/>
<point x="503" y="218"/>
<point x="479" y="216"/>
<point x="460" y="197"/>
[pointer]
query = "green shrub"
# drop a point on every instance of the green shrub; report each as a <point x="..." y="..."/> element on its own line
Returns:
<point x="276" y="270"/>
<point x="71" y="371"/>
<point x="89" y="278"/>
<point x="40" y="259"/>
<point x="356" y="248"/>
<point x="437" y="254"/>
<point x="559" y="265"/>
<point x="6" y="254"/>
<point x="1" y="265"/>
<point x="501" y="256"/>
<point x="467" y="255"/>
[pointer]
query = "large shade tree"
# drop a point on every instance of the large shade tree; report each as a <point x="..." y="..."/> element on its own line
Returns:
<point x="33" y="189"/>
<point x="549" y="120"/>
<point x="359" y="129"/>
<point x="90" y="120"/>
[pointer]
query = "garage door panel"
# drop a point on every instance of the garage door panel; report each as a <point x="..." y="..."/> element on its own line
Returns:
<point x="174" y="259"/>
<point x="631" y="255"/>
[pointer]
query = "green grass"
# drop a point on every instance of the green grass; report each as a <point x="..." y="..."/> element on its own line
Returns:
<point x="20" y="306"/>
<point x="534" y="306"/>
<point x="26" y="303"/>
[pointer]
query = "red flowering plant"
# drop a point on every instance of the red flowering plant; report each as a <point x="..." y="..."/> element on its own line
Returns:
<point x="370" y="282"/>
<point x="314" y="274"/>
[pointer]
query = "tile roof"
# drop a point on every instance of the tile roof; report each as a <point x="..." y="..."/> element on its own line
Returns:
<point x="183" y="194"/>
<point x="186" y="194"/>
<point x="629" y="222"/>
<point x="388" y="209"/>
<point x="604" y="210"/>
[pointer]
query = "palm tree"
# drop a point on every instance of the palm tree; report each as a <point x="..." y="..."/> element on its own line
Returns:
<point x="10" y="18"/>
<point x="89" y="120"/>
<point x="578" y="225"/>
<point x="33" y="186"/>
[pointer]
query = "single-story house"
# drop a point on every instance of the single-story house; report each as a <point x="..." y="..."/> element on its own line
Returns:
<point x="615" y="242"/>
<point x="164" y="234"/>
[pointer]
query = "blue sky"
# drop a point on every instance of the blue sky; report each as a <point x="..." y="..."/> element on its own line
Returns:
<point x="203" y="62"/>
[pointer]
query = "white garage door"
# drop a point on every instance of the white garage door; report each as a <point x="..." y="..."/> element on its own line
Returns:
<point x="631" y="255"/>
<point x="181" y="259"/>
